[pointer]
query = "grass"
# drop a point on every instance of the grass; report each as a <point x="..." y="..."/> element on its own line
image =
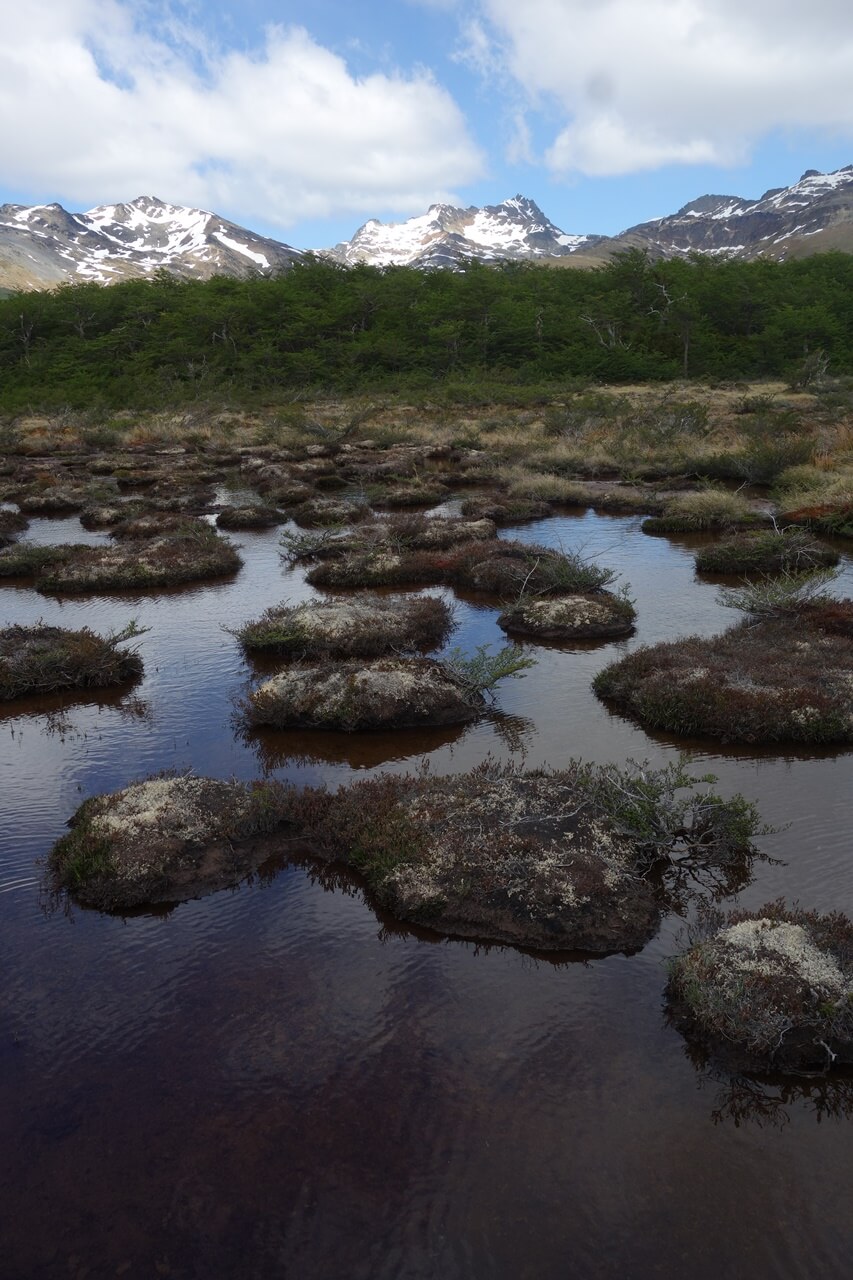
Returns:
<point x="249" y="517"/>
<point x="773" y="986"/>
<point x="365" y="627"/>
<point x="43" y="659"/>
<point x="707" y="509"/>
<point x="26" y="559"/>
<point x="770" y="551"/>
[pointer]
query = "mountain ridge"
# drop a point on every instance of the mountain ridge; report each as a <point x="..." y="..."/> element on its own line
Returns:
<point x="42" y="246"/>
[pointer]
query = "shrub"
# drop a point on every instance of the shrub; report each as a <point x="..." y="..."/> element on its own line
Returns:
<point x="770" y="552"/>
<point x="43" y="659"/>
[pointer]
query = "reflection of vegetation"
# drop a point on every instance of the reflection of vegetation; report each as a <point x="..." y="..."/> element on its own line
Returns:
<point x="768" y="1101"/>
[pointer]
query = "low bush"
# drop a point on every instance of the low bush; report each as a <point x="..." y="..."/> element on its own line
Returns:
<point x="165" y="840"/>
<point x="484" y="854"/>
<point x="193" y="553"/>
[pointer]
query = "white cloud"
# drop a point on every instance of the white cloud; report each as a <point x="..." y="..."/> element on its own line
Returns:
<point x="637" y="84"/>
<point x="104" y="110"/>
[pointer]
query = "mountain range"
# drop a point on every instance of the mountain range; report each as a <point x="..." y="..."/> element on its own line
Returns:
<point x="42" y="246"/>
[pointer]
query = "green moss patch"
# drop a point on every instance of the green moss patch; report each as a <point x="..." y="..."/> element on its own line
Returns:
<point x="389" y="693"/>
<point x="365" y="627"/>
<point x="26" y="559"/>
<point x="44" y="659"/>
<point x="790" y="551"/>
<point x="167" y="839"/>
<point x="772" y="987"/>
<point x="779" y="680"/>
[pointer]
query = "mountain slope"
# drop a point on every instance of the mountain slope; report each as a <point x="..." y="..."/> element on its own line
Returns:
<point x="44" y="245"/>
<point x="813" y="215"/>
<point x="445" y="235"/>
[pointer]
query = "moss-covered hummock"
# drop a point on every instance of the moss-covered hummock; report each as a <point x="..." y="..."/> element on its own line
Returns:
<point x="27" y="559"/>
<point x="504" y="509"/>
<point x="364" y="627"/>
<point x="772" y="987"/>
<point x="779" y="680"/>
<point x="496" y="566"/>
<point x="547" y="859"/>
<point x="189" y="555"/>
<point x="11" y="524"/>
<point x="389" y="693"/>
<point x="249" y="517"/>
<point x="44" y="659"/>
<point x="593" y="616"/>
<point x="768" y="551"/>
<point x="707" y="509"/>
<point x="167" y="839"/>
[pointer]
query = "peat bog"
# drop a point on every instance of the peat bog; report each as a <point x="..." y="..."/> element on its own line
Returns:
<point x="342" y="1065"/>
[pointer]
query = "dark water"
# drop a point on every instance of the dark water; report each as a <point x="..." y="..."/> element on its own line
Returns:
<point x="276" y="1082"/>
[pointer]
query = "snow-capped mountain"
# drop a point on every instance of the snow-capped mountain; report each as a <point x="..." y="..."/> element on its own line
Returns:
<point x="813" y="215"/>
<point x="44" y="245"/>
<point x="445" y="235"/>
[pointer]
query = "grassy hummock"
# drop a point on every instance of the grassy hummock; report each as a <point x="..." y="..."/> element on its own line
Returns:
<point x="364" y="627"/>
<point x="769" y="551"/>
<point x="781" y="679"/>
<point x="388" y="693"/>
<point x="590" y="616"/>
<point x="555" y="859"/>
<point x="192" y="553"/>
<point x="11" y="524"/>
<point x="45" y="659"/>
<point x="707" y="509"/>
<point x="496" y="566"/>
<point x="27" y="559"/>
<point x="165" y="840"/>
<point x="772" y="987"/>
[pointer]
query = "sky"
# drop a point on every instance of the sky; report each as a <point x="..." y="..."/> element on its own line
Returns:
<point x="301" y="119"/>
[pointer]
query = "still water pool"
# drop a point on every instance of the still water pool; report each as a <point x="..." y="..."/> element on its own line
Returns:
<point x="278" y="1082"/>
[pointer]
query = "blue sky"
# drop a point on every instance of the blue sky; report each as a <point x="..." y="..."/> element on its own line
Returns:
<point x="302" y="120"/>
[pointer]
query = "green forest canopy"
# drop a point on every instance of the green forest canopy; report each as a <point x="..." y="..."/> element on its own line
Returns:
<point x="323" y="327"/>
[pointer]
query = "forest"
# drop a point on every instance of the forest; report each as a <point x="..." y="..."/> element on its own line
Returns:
<point x="323" y="328"/>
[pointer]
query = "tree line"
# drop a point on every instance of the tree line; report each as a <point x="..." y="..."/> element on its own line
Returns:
<point x="347" y="330"/>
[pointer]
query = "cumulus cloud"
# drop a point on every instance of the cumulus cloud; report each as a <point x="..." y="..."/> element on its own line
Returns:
<point x="106" y="109"/>
<point x="639" y="85"/>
